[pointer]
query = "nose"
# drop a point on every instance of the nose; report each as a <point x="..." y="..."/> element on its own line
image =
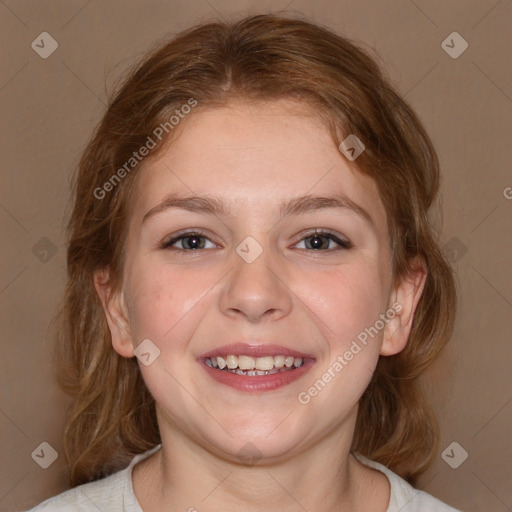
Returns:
<point x="256" y="291"/>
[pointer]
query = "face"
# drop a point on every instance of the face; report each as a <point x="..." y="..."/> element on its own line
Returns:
<point x="245" y="274"/>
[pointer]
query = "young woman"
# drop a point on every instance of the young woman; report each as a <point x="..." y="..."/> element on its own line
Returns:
<point x="254" y="287"/>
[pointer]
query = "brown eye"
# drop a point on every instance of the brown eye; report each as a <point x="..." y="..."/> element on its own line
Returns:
<point x="187" y="242"/>
<point x="320" y="241"/>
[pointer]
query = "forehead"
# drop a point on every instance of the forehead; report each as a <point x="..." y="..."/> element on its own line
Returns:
<point x="253" y="155"/>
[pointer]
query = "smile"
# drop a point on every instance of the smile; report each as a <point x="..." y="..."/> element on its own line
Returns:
<point x="255" y="367"/>
<point x="251" y="366"/>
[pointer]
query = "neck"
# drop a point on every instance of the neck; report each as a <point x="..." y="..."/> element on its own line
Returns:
<point x="325" y="477"/>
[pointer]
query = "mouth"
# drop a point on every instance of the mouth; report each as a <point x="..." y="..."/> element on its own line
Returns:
<point x="255" y="367"/>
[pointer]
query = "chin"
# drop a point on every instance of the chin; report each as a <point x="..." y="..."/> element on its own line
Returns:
<point x="259" y="440"/>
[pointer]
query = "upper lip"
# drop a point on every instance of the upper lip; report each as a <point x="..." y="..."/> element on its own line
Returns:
<point x="254" y="349"/>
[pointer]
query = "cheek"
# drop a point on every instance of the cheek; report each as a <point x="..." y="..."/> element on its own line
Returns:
<point x="347" y="301"/>
<point x="159" y="302"/>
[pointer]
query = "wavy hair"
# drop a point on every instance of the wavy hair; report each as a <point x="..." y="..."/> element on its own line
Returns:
<point x="258" y="58"/>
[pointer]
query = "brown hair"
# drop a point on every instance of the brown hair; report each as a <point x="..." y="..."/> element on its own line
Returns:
<point x="258" y="58"/>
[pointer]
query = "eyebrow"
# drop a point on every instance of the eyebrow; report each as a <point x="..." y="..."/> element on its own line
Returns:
<point x="294" y="206"/>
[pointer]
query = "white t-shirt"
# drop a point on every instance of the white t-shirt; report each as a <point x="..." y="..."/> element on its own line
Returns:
<point x="115" y="493"/>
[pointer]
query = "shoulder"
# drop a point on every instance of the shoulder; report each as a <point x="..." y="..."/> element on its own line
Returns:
<point x="104" y="494"/>
<point x="113" y="493"/>
<point x="404" y="497"/>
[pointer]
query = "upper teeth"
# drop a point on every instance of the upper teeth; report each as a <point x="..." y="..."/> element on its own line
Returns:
<point x="251" y="363"/>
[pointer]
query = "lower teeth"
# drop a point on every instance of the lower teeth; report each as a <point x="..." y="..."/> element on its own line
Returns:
<point x="253" y="373"/>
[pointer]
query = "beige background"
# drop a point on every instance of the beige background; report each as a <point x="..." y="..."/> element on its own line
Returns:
<point x="49" y="107"/>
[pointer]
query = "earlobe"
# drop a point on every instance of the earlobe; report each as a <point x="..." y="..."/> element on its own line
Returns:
<point x="404" y="301"/>
<point x="114" y="307"/>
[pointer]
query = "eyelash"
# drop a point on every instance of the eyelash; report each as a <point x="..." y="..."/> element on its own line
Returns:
<point x="330" y="235"/>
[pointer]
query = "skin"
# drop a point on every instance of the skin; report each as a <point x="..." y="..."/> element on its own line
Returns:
<point x="253" y="157"/>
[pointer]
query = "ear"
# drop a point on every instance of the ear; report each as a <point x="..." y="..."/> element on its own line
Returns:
<point x="404" y="300"/>
<point x="116" y="313"/>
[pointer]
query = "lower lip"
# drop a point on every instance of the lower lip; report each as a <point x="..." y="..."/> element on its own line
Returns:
<point x="257" y="383"/>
